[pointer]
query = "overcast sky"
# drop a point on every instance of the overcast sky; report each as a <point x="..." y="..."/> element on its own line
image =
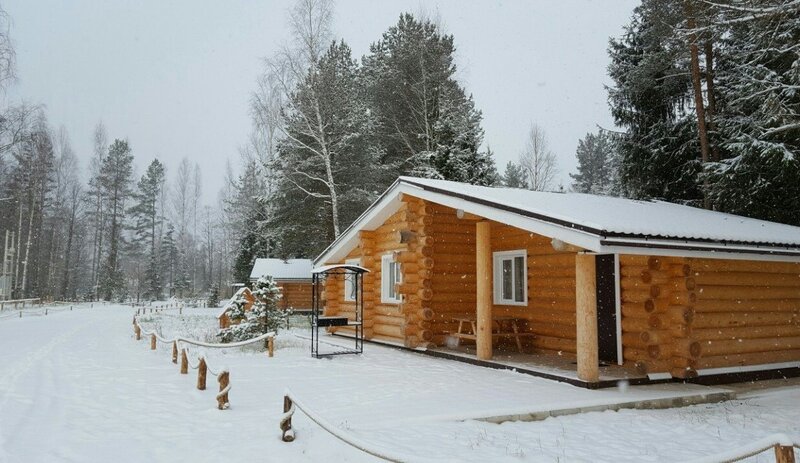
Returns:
<point x="174" y="77"/>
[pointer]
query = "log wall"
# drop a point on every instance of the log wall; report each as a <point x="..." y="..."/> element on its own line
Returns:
<point x="296" y="295"/>
<point x="746" y="313"/>
<point x="406" y="322"/>
<point x="657" y="300"/>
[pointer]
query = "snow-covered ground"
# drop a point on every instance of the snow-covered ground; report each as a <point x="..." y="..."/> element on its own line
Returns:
<point x="76" y="386"/>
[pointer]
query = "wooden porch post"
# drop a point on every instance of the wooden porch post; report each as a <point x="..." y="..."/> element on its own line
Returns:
<point x="483" y="290"/>
<point x="586" y="317"/>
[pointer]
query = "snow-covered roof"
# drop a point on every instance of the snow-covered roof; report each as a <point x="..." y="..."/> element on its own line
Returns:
<point x="601" y="224"/>
<point x="279" y="269"/>
<point x="229" y="304"/>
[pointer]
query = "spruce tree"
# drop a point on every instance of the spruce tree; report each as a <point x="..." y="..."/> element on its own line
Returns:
<point x="651" y="98"/>
<point x="514" y="176"/>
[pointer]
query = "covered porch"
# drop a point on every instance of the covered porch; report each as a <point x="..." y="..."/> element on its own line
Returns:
<point x="522" y="300"/>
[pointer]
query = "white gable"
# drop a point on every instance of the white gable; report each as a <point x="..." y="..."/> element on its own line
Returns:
<point x="279" y="269"/>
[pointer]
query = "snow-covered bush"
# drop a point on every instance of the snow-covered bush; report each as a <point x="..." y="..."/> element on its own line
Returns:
<point x="213" y="297"/>
<point x="265" y="316"/>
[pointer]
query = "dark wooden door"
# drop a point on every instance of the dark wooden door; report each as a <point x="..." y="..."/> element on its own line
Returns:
<point x="606" y="308"/>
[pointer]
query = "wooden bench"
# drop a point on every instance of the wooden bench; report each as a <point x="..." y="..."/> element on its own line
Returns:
<point x="507" y="327"/>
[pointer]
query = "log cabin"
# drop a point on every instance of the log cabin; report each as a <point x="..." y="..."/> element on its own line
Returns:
<point x="292" y="275"/>
<point x="244" y="292"/>
<point x="659" y="290"/>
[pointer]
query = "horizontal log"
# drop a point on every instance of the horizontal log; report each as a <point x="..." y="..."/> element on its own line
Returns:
<point x="655" y="337"/>
<point x="388" y="320"/>
<point x="747" y="305"/>
<point x="745" y="332"/>
<point x="540" y="281"/>
<point x="651" y="262"/>
<point x="755" y="358"/>
<point x="632" y="324"/>
<point x="701" y="266"/>
<point x="675" y="315"/>
<point x="742" y="346"/>
<point x="651" y="366"/>
<point x="748" y="279"/>
<point x="632" y="271"/>
<point x="552" y="260"/>
<point x="747" y="292"/>
<point x="633" y="283"/>
<point x="640" y="295"/>
<point x="392" y="331"/>
<point x="750" y="319"/>
<point x="634" y="340"/>
<point x="634" y="354"/>
<point x="556" y="304"/>
<point x="687" y="348"/>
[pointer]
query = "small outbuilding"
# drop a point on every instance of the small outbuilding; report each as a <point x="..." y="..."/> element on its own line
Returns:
<point x="589" y="289"/>
<point x="244" y="292"/>
<point x="292" y="275"/>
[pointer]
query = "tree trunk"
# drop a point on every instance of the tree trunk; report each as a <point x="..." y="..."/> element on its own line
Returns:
<point x="712" y="99"/>
<point x="698" y="92"/>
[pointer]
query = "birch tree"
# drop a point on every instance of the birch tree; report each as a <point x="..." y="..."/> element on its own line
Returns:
<point x="537" y="161"/>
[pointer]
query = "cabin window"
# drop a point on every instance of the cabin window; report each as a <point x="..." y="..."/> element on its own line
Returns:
<point x="390" y="276"/>
<point x="350" y="288"/>
<point x="511" y="277"/>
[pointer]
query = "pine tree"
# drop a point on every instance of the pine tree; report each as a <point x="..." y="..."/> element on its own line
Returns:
<point x="147" y="222"/>
<point x="116" y="174"/>
<point x="596" y="165"/>
<point x="168" y="256"/>
<point x="425" y="123"/>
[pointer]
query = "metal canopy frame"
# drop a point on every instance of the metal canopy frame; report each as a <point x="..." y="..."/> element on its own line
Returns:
<point x="319" y="276"/>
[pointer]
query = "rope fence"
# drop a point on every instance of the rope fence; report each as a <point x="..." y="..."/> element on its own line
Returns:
<point x="782" y="444"/>
<point x="181" y="344"/>
<point x="41" y="311"/>
<point x="291" y="404"/>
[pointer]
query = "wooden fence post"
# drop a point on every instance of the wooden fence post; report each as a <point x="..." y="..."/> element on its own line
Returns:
<point x="270" y="346"/>
<point x="153" y="341"/>
<point x="784" y="454"/>
<point x="138" y="331"/>
<point x="222" y="398"/>
<point x="174" y="351"/>
<point x="201" y="374"/>
<point x="184" y="363"/>
<point x="286" y="422"/>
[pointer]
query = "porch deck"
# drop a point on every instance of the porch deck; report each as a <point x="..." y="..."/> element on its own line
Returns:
<point x="559" y="367"/>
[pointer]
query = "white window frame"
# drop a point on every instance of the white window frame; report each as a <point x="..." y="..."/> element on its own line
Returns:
<point x="349" y="278"/>
<point x="497" y="268"/>
<point x="388" y="287"/>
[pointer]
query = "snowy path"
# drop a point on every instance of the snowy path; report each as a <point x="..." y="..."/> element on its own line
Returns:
<point x="75" y="386"/>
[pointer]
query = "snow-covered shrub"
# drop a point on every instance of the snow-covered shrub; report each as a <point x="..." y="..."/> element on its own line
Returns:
<point x="213" y="297"/>
<point x="265" y="316"/>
